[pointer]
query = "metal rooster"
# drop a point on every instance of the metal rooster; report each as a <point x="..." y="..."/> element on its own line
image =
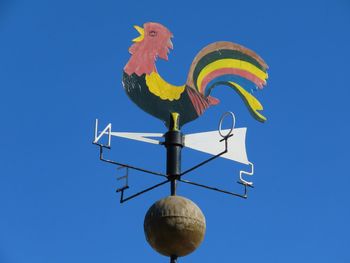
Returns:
<point x="220" y="63"/>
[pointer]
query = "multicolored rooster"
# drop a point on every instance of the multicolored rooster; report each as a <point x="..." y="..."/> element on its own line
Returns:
<point x="220" y="63"/>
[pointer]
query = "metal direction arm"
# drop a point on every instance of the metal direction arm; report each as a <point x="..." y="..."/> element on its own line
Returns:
<point x="126" y="165"/>
<point x="135" y="136"/>
<point x="121" y="190"/>
<point x="242" y="181"/>
<point x="210" y="159"/>
<point x="204" y="142"/>
<point x="245" y="195"/>
<point x="122" y="199"/>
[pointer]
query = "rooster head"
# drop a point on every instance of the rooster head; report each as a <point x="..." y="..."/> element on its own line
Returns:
<point x="154" y="39"/>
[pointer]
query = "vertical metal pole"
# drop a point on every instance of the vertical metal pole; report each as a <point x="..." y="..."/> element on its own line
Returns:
<point x="173" y="144"/>
<point x="173" y="259"/>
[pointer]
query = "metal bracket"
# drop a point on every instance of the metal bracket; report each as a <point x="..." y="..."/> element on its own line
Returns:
<point x="126" y="186"/>
<point x="122" y="199"/>
<point x="244" y="195"/>
<point x="242" y="181"/>
<point x="211" y="158"/>
<point x="126" y="177"/>
<point x="225" y="137"/>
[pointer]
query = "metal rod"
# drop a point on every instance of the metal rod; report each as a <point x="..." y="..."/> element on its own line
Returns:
<point x="122" y="199"/>
<point x="173" y="187"/>
<point x="215" y="189"/>
<point x="211" y="158"/>
<point x="173" y="259"/>
<point x="128" y="166"/>
<point x="173" y="143"/>
<point x="204" y="162"/>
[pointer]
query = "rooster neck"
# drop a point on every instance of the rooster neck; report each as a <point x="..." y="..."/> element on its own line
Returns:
<point x="141" y="62"/>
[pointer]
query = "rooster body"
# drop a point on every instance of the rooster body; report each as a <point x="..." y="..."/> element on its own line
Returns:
<point x="220" y="63"/>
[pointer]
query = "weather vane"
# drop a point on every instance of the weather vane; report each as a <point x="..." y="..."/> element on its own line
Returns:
<point x="175" y="226"/>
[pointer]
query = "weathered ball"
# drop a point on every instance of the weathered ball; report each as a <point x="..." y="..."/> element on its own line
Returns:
<point x="174" y="226"/>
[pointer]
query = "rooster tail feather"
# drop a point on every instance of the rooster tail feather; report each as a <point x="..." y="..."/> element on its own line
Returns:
<point x="229" y="64"/>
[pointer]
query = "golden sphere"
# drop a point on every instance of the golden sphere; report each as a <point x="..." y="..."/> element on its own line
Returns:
<point x="174" y="226"/>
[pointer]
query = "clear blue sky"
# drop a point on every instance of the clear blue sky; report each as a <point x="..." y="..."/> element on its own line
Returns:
<point x="60" y="67"/>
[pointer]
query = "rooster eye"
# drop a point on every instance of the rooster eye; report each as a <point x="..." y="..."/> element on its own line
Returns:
<point x="152" y="33"/>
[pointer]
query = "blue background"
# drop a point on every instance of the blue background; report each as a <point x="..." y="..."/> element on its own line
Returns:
<point x="60" y="68"/>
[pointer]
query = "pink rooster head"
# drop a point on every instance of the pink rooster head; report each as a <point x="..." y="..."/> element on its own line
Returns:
<point x="154" y="39"/>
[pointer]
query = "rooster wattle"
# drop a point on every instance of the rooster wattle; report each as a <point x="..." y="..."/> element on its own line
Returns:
<point x="220" y="63"/>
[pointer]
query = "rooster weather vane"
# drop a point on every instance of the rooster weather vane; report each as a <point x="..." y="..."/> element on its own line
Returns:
<point x="220" y="63"/>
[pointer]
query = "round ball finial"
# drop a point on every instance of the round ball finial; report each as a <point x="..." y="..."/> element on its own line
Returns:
<point x="174" y="226"/>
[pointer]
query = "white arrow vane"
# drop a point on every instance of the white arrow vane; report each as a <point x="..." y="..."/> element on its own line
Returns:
<point x="209" y="142"/>
<point x="142" y="137"/>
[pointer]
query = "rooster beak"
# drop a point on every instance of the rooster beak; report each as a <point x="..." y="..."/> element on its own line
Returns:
<point x="141" y="32"/>
<point x="170" y="44"/>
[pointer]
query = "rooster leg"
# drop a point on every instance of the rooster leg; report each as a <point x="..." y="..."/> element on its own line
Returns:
<point x="174" y="121"/>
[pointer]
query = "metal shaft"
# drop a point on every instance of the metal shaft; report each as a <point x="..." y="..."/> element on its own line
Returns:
<point x="173" y="259"/>
<point x="173" y="144"/>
